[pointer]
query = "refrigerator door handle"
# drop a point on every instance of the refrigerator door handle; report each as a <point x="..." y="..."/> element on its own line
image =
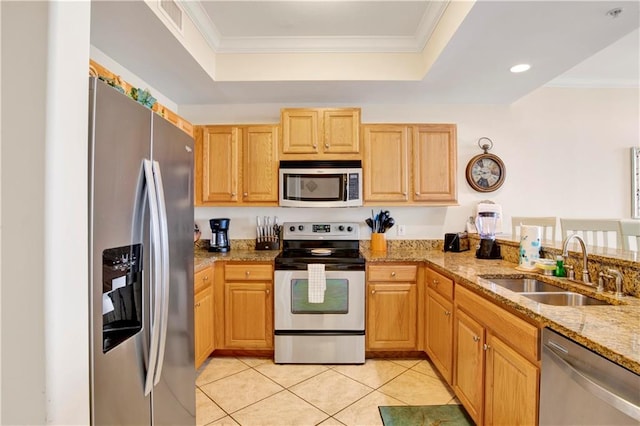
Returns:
<point x="164" y="238"/>
<point x="155" y="282"/>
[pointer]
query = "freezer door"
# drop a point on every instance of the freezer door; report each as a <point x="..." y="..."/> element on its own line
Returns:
<point x="174" y="393"/>
<point x="119" y="135"/>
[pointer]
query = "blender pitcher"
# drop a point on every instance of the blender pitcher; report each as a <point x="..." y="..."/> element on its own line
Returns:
<point x="486" y="223"/>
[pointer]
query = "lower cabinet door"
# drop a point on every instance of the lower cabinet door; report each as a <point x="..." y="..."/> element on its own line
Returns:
<point x="440" y="333"/>
<point x="469" y="371"/>
<point x="511" y="386"/>
<point x="203" y="320"/>
<point x="392" y="316"/>
<point x="248" y="315"/>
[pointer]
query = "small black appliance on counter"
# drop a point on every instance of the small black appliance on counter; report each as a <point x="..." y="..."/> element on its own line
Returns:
<point x="219" y="235"/>
<point x="456" y="242"/>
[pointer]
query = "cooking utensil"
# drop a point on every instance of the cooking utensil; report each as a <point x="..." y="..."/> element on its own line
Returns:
<point x="369" y="222"/>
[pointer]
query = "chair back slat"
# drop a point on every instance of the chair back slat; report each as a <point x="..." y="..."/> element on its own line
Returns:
<point x="595" y="232"/>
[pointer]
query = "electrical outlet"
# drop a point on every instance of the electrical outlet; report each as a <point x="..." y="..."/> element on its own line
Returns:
<point x="402" y="230"/>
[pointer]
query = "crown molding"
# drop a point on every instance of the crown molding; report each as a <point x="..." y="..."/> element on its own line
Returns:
<point x="347" y="44"/>
<point x="201" y="21"/>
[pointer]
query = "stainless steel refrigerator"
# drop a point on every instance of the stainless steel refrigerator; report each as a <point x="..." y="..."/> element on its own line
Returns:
<point x="140" y="264"/>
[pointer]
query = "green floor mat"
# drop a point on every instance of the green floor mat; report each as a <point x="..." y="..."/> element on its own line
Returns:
<point x="425" y="415"/>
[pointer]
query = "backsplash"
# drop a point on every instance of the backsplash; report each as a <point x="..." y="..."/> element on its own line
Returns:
<point x="630" y="269"/>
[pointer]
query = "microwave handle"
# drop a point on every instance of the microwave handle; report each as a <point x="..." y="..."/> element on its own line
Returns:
<point x="345" y="183"/>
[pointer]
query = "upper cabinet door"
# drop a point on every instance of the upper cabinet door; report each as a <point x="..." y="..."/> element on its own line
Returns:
<point x="300" y="128"/>
<point x="260" y="164"/>
<point x="386" y="162"/>
<point x="434" y="163"/>
<point x="220" y="145"/>
<point x="341" y="131"/>
<point x="320" y="133"/>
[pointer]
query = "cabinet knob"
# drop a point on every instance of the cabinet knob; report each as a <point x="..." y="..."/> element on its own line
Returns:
<point x="393" y="274"/>
<point x="476" y="338"/>
<point x="205" y="278"/>
<point x="326" y="145"/>
<point x="315" y="146"/>
<point x="247" y="273"/>
<point x="436" y="282"/>
<point x="417" y="193"/>
<point x="268" y="292"/>
<point x="486" y="347"/>
<point x="373" y="292"/>
<point x="233" y="194"/>
<point x="404" y="194"/>
<point x="246" y="194"/>
<point x="447" y="313"/>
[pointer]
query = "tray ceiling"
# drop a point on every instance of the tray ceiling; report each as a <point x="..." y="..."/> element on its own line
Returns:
<point x="354" y="52"/>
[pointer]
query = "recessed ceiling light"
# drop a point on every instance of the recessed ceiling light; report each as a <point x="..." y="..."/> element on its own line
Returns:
<point x="520" y="68"/>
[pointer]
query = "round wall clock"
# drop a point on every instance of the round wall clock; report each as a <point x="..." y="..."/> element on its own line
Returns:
<point x="485" y="172"/>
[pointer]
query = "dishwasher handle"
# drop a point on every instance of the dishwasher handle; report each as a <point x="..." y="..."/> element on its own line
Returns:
<point x="592" y="386"/>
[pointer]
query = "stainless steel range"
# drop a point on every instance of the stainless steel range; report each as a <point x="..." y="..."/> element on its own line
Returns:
<point x="320" y="295"/>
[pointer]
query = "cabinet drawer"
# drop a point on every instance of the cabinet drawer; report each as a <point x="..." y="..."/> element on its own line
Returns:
<point x="202" y="279"/>
<point x="440" y="283"/>
<point x="393" y="273"/>
<point x="249" y="272"/>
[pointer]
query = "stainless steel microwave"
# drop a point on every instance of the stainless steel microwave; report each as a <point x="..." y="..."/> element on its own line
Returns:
<point x="322" y="183"/>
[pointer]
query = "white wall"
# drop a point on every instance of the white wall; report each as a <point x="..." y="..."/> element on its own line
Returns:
<point x="566" y="153"/>
<point x="45" y="371"/>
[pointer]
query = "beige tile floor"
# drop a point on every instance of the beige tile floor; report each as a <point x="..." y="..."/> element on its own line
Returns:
<point x="255" y="391"/>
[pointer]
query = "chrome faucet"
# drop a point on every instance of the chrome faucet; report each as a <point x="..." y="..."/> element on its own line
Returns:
<point x="618" y="276"/>
<point x="565" y="253"/>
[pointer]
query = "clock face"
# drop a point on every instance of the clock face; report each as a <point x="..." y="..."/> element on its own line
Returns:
<point x="485" y="172"/>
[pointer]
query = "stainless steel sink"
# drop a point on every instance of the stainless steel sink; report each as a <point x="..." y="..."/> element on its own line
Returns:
<point x="565" y="298"/>
<point x="545" y="293"/>
<point x="525" y="285"/>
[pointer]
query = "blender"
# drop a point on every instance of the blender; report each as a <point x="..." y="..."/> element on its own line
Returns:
<point x="486" y="223"/>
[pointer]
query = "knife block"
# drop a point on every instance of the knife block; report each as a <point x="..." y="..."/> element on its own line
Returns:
<point x="268" y="245"/>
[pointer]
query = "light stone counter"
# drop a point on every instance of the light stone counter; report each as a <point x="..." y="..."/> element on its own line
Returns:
<point x="612" y="331"/>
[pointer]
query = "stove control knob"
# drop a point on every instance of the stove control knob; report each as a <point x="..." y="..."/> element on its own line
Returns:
<point x="349" y="228"/>
<point x="341" y="228"/>
<point x="300" y="227"/>
<point x="292" y="228"/>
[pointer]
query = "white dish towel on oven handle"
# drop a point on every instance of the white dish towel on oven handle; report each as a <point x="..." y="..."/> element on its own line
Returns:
<point x="317" y="282"/>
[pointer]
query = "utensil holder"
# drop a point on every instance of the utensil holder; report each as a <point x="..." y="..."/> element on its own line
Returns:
<point x="378" y="242"/>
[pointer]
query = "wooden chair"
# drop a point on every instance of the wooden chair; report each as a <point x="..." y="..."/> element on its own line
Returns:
<point x="630" y="229"/>
<point x="594" y="232"/>
<point x="548" y="225"/>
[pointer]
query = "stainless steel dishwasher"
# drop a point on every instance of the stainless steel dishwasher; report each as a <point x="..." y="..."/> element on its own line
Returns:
<point x="580" y="387"/>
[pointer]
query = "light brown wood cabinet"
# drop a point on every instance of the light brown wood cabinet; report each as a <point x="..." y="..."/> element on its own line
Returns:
<point x="410" y="163"/>
<point x="248" y="306"/>
<point x="203" y="315"/>
<point x="320" y="133"/>
<point x="439" y="322"/>
<point x="236" y="165"/>
<point x="392" y="307"/>
<point x="496" y="381"/>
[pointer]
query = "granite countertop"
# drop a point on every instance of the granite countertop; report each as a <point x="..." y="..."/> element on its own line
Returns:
<point x="612" y="331"/>
<point x="203" y="258"/>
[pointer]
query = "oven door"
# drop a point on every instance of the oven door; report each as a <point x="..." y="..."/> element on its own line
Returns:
<point x="341" y="310"/>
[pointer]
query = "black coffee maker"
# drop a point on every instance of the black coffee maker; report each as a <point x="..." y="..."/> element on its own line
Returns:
<point x="219" y="235"/>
